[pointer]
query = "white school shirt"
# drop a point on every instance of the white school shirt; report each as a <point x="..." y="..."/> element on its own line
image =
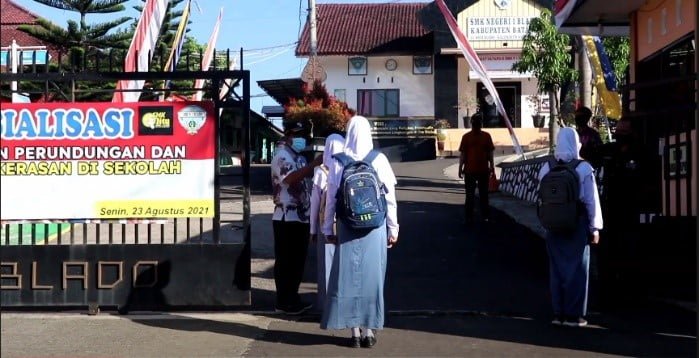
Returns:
<point x="291" y="202"/>
<point x="319" y="176"/>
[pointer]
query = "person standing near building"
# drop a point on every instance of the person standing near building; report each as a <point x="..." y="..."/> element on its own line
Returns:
<point x="325" y="250"/>
<point x="569" y="251"/>
<point x="590" y="139"/>
<point x="355" y="288"/>
<point x="475" y="165"/>
<point x="291" y="190"/>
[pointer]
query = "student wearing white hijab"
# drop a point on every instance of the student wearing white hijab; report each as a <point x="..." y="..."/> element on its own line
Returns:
<point x="334" y="144"/>
<point x="355" y="288"/>
<point x="569" y="255"/>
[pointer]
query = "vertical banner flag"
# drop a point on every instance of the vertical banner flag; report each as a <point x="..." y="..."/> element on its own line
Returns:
<point x="603" y="76"/>
<point x="141" y="160"/>
<point x="477" y="66"/>
<point x="208" y="56"/>
<point x="178" y="41"/>
<point x="562" y="9"/>
<point x="141" y="49"/>
<point x="226" y="86"/>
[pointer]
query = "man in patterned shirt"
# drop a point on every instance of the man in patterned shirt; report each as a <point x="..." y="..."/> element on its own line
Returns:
<point x="291" y="188"/>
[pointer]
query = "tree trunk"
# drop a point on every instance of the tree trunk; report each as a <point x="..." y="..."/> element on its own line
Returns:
<point x="585" y="80"/>
<point x="553" y="120"/>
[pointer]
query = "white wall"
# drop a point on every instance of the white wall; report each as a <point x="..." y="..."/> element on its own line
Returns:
<point x="416" y="91"/>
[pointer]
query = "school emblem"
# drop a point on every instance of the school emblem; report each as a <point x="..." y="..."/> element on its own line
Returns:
<point x="192" y="118"/>
<point x="502" y="4"/>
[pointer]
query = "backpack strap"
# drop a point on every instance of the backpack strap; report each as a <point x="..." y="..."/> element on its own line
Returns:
<point x="371" y="156"/>
<point x="343" y="158"/>
<point x="573" y="164"/>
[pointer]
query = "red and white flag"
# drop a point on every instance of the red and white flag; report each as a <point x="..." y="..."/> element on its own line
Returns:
<point x="477" y="66"/>
<point x="208" y="56"/>
<point x="562" y="9"/>
<point x="141" y="49"/>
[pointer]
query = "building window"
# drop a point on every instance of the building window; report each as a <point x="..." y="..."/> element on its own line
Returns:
<point x="340" y="95"/>
<point x="378" y="103"/>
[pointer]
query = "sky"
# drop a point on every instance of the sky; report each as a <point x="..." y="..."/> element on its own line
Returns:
<point x="266" y="29"/>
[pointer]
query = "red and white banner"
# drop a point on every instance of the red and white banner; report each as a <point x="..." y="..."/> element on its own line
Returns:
<point x="208" y="56"/>
<point x="476" y="66"/>
<point x="141" y="49"/>
<point x="561" y="10"/>
<point x="107" y="161"/>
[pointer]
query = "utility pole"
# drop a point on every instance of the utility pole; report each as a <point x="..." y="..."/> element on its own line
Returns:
<point x="314" y="36"/>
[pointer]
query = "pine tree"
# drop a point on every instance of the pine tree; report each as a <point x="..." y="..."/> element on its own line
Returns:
<point x="80" y="38"/>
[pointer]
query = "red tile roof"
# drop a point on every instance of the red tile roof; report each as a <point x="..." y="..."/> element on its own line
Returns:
<point x="11" y="16"/>
<point x="362" y="28"/>
<point x="14" y="14"/>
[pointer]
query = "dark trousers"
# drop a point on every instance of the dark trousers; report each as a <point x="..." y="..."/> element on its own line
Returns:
<point x="481" y="181"/>
<point x="290" y="250"/>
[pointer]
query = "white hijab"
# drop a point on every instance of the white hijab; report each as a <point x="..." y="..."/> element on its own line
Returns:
<point x="334" y="144"/>
<point x="568" y="148"/>
<point x="567" y="145"/>
<point x="358" y="144"/>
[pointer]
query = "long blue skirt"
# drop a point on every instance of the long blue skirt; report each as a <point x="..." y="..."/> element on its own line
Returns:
<point x="324" y="254"/>
<point x="569" y="266"/>
<point x="355" y="288"/>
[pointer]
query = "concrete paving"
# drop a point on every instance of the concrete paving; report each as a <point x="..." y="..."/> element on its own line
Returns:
<point x="451" y="290"/>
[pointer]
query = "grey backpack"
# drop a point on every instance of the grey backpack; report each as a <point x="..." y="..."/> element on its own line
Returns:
<point x="559" y="206"/>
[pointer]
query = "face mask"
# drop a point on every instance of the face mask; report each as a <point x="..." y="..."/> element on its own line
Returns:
<point x="298" y="144"/>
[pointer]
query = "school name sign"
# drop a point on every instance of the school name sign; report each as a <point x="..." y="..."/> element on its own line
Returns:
<point x="107" y="160"/>
<point x="497" y="28"/>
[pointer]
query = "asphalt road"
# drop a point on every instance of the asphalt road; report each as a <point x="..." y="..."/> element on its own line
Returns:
<point x="451" y="290"/>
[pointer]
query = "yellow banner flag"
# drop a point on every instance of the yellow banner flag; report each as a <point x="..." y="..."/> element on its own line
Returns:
<point x="610" y="100"/>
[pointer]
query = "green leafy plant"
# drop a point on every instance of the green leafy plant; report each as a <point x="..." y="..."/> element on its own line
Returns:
<point x="619" y="51"/>
<point x="468" y="103"/>
<point x="534" y="101"/>
<point x="545" y="54"/>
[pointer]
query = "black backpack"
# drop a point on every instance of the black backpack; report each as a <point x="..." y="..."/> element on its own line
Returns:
<point x="361" y="197"/>
<point x="559" y="206"/>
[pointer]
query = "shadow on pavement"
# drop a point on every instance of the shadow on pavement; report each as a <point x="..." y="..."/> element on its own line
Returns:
<point x="439" y="334"/>
<point x="184" y="323"/>
<point x="453" y="289"/>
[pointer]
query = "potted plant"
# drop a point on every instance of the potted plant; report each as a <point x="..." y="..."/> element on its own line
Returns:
<point x="441" y="125"/>
<point x="470" y="105"/>
<point x="536" y="105"/>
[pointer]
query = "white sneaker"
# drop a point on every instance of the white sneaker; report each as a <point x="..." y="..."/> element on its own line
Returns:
<point x="580" y="322"/>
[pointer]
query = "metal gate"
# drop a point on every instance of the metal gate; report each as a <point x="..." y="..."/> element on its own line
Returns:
<point x="185" y="263"/>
